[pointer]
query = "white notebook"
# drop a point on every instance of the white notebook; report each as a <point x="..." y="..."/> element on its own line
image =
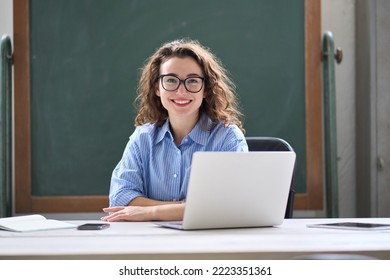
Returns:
<point x="32" y="223"/>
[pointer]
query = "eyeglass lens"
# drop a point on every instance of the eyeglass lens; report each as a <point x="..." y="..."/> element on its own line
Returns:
<point x="172" y="83"/>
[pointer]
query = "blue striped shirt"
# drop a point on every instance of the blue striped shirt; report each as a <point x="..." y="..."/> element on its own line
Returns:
<point x="153" y="166"/>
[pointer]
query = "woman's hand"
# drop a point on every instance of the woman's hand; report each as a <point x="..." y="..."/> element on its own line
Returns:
<point x="128" y="213"/>
<point x="166" y="212"/>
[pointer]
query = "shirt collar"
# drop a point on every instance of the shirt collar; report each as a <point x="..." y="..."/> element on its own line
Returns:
<point x="164" y="129"/>
<point x="198" y="134"/>
<point x="201" y="131"/>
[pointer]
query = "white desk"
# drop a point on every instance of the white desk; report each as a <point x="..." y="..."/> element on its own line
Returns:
<point x="127" y="240"/>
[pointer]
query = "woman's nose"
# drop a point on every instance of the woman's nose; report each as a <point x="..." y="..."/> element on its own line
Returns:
<point x="182" y="89"/>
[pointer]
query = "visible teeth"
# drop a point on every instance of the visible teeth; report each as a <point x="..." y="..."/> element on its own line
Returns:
<point x="182" y="101"/>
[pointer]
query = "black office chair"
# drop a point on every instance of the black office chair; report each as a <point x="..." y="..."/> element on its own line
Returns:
<point x="274" y="144"/>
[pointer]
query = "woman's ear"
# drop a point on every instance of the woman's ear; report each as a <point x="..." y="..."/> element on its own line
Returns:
<point x="157" y="90"/>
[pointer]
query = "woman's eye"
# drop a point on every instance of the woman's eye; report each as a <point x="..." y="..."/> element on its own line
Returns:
<point x="171" y="80"/>
<point x="193" y="81"/>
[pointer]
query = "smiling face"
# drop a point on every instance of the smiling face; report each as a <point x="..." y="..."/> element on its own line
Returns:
<point x="181" y="104"/>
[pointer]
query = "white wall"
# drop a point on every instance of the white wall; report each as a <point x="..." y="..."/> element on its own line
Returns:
<point x="383" y="106"/>
<point x="6" y="18"/>
<point x="373" y="106"/>
<point x="338" y="16"/>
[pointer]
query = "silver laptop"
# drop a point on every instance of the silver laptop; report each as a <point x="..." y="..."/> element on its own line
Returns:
<point x="236" y="189"/>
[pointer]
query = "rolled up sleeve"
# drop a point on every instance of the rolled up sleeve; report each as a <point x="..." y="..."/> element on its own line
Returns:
<point x="126" y="181"/>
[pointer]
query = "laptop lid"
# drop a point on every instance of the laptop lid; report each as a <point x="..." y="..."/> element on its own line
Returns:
<point x="234" y="189"/>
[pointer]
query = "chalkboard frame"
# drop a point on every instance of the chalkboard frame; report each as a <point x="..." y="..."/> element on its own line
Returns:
<point x="25" y="202"/>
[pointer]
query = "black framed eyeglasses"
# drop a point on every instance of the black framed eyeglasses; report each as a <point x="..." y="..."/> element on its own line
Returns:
<point x="172" y="83"/>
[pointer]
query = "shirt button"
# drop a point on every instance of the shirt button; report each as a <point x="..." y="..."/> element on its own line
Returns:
<point x="174" y="175"/>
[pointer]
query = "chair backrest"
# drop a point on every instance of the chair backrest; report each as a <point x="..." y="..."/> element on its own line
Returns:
<point x="275" y="144"/>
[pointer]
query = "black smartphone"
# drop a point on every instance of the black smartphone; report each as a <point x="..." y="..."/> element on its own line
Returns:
<point x="93" y="226"/>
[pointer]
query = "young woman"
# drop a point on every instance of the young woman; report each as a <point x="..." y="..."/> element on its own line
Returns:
<point x="186" y="103"/>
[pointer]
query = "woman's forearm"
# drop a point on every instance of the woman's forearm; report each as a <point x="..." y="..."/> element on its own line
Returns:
<point x="143" y="201"/>
<point x="168" y="212"/>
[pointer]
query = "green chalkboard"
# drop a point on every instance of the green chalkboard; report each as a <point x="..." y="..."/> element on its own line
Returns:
<point x="85" y="59"/>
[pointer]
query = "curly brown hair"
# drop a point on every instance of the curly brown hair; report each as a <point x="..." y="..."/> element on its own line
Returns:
<point x="220" y="102"/>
